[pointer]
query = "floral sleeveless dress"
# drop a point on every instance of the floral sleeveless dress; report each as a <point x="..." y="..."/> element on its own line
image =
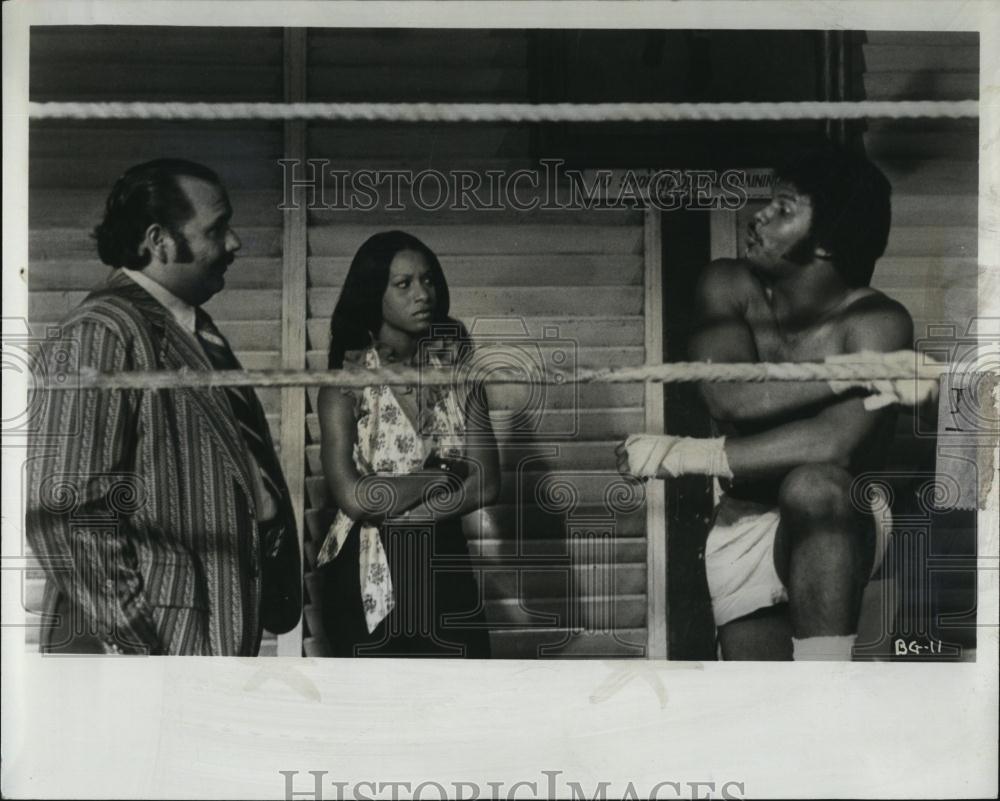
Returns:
<point x="391" y="442"/>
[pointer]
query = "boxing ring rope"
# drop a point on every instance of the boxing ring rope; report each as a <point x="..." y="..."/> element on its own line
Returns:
<point x="900" y="365"/>
<point x="509" y="112"/>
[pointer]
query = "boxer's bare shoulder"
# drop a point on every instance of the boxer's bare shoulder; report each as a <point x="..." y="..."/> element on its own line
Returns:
<point x="876" y="322"/>
<point x="727" y="285"/>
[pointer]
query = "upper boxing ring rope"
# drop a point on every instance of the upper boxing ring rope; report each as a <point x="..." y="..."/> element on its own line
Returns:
<point x="509" y="112"/>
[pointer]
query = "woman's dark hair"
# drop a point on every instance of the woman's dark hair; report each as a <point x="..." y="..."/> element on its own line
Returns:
<point x="851" y="206"/>
<point x="147" y="193"/>
<point x="357" y="317"/>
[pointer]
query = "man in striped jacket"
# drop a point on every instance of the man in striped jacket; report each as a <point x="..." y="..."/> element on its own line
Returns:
<point x="161" y="517"/>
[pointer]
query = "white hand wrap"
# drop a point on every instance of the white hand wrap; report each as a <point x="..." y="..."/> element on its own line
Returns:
<point x="661" y="456"/>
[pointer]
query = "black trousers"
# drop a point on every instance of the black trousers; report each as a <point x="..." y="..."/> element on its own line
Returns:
<point x="437" y="611"/>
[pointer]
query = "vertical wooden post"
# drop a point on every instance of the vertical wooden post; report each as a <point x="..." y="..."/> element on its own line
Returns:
<point x="656" y="503"/>
<point x="293" y="309"/>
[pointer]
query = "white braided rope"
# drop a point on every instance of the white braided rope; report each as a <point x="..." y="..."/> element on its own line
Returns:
<point x="508" y="112"/>
<point x="900" y="365"/>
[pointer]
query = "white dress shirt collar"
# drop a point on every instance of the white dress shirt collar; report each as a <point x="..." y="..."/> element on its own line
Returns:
<point x="183" y="313"/>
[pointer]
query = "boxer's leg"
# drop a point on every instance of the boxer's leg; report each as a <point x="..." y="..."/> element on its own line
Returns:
<point x="764" y="635"/>
<point x="823" y="551"/>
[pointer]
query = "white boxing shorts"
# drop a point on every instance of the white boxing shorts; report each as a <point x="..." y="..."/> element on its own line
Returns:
<point x="739" y="557"/>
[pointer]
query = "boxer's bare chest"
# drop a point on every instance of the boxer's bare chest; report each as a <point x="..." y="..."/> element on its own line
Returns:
<point x="810" y="337"/>
<point x="807" y="338"/>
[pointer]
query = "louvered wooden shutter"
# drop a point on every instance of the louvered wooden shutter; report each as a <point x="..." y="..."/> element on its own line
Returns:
<point x="930" y="263"/>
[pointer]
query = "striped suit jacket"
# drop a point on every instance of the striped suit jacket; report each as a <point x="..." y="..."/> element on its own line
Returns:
<point x="140" y="503"/>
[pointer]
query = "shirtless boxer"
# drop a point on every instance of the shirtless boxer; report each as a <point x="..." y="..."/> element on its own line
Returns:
<point x="789" y="554"/>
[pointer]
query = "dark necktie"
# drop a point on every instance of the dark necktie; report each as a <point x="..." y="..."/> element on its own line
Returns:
<point x="240" y="399"/>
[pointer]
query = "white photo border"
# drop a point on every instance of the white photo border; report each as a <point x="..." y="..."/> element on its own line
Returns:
<point x="183" y="727"/>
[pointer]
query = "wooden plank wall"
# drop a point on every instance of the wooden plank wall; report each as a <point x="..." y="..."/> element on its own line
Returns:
<point x="933" y="166"/>
<point x="558" y="580"/>
<point x="930" y="264"/>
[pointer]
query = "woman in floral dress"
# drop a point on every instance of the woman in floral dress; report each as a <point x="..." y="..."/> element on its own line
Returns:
<point x="403" y="466"/>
